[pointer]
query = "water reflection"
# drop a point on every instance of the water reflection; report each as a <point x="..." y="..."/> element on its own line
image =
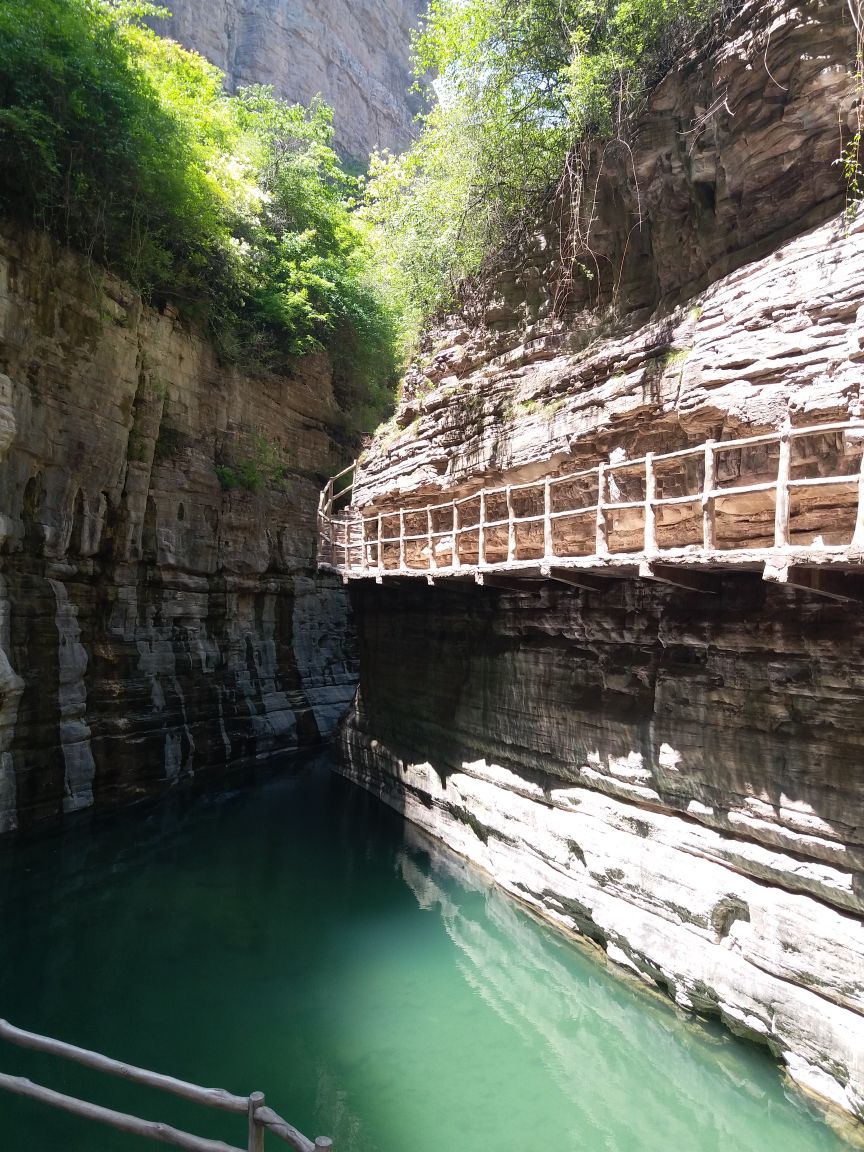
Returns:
<point x="296" y="936"/>
<point x="636" y="1073"/>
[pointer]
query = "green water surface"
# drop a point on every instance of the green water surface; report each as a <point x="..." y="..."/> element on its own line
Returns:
<point x="295" y="937"/>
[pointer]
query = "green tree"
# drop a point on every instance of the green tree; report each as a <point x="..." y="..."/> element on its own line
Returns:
<point x="520" y="83"/>
<point x="125" y="146"/>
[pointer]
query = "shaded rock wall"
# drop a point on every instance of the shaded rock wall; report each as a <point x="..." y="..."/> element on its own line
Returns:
<point x="153" y="626"/>
<point x="354" y="55"/>
<point x="676" y="775"/>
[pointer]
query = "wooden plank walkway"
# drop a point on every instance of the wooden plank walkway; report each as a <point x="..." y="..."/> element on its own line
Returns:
<point x="663" y="517"/>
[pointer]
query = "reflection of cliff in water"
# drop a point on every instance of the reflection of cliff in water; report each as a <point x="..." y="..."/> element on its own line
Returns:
<point x="628" y="1062"/>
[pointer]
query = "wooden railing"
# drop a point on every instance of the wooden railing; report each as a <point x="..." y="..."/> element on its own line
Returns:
<point x="462" y="534"/>
<point x="260" y="1118"/>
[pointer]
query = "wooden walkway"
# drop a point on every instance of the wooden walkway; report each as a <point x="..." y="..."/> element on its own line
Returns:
<point x="788" y="504"/>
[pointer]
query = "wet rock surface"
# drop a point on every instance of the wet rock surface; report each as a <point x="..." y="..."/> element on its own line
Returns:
<point x="158" y="620"/>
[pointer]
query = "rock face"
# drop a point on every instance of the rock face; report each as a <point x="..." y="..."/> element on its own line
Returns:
<point x="355" y="55"/>
<point x="154" y="625"/>
<point x="676" y="775"/>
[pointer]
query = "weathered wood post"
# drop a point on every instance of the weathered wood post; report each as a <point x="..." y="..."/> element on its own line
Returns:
<point x="432" y="561"/>
<point x="511" y="527"/>
<point x="784" y="469"/>
<point x="601" y="546"/>
<point x="548" y="543"/>
<point x="256" y="1128"/>
<point x="455" y="559"/>
<point x="403" y="562"/>
<point x="481" y="533"/>
<point x="365" y="549"/>
<point x="650" y="542"/>
<point x="708" y="499"/>
<point x="380" y="545"/>
<point x="858" y="536"/>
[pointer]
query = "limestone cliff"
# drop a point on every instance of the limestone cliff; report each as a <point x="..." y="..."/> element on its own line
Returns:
<point x="354" y="55"/>
<point x="674" y="774"/>
<point x="157" y="620"/>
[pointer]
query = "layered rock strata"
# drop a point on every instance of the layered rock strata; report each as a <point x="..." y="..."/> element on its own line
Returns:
<point x="160" y="611"/>
<point x="356" y="56"/>
<point x="676" y="775"/>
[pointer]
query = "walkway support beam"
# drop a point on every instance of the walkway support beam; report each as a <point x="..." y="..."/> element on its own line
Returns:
<point x="602" y="540"/>
<point x="708" y="510"/>
<point x="650" y="545"/>
<point x="858" y="537"/>
<point x="784" y="473"/>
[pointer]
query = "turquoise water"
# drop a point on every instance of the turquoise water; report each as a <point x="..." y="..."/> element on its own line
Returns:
<point x="293" y="936"/>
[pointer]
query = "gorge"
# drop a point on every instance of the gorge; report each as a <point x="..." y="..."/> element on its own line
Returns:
<point x="667" y="770"/>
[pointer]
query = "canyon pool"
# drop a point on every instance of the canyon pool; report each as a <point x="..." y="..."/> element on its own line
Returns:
<point x="293" y="936"/>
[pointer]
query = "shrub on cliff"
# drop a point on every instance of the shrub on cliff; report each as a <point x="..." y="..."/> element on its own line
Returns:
<point x="520" y="84"/>
<point x="125" y="146"/>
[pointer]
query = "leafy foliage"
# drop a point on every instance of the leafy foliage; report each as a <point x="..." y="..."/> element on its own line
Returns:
<point x="520" y="83"/>
<point x="125" y="146"/>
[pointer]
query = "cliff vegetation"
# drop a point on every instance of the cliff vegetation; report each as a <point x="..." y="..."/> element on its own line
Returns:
<point x="525" y="87"/>
<point x="235" y="208"/>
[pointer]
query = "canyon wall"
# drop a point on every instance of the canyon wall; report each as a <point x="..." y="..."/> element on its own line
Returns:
<point x="675" y="774"/>
<point x="353" y="54"/>
<point x="161" y="616"/>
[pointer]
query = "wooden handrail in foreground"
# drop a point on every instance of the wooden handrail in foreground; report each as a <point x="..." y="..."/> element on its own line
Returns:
<point x="261" y="1118"/>
<point x="346" y="545"/>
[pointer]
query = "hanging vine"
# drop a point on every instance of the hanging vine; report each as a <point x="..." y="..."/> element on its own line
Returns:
<point x="850" y="154"/>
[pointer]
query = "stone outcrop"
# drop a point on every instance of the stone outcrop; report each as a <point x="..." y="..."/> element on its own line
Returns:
<point x="354" y="55"/>
<point x="158" y="620"/>
<point x="676" y="775"/>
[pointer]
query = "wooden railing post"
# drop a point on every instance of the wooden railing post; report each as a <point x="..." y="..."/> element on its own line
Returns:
<point x="601" y="546"/>
<point x="432" y="561"/>
<point x="708" y="510"/>
<point x="256" y="1128"/>
<point x="650" y="542"/>
<point x="481" y="533"/>
<point x="403" y="559"/>
<point x="364" y="557"/>
<point x="455" y="559"/>
<point x="784" y="469"/>
<point x="858" y="536"/>
<point x="548" y="543"/>
<point x="511" y="528"/>
<point x="380" y="545"/>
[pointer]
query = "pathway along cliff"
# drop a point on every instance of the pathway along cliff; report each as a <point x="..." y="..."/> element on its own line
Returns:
<point x="668" y="763"/>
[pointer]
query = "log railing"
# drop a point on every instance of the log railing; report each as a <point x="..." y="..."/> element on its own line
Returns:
<point x="449" y="537"/>
<point x="260" y="1118"/>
